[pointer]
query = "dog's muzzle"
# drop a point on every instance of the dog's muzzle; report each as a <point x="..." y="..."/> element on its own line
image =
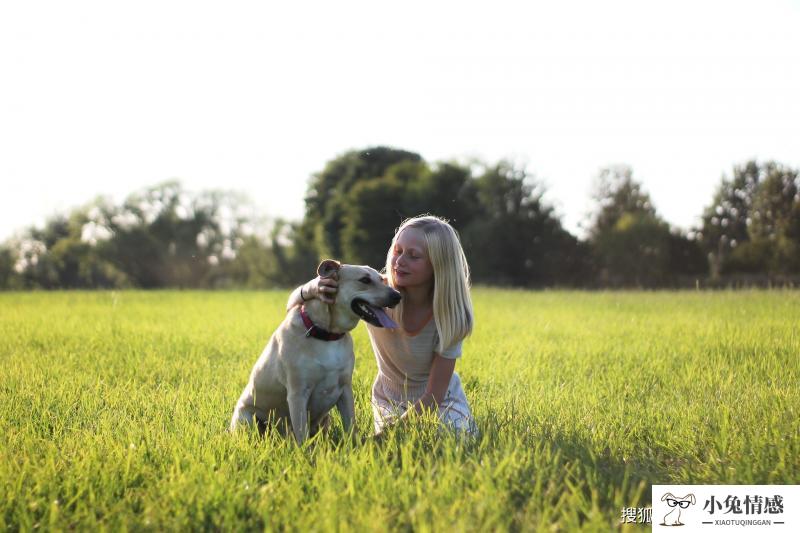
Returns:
<point x="376" y="315"/>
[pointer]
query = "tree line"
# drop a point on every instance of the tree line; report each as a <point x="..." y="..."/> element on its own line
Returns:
<point x="166" y="236"/>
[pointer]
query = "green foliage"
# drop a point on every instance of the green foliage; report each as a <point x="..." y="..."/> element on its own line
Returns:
<point x="617" y="194"/>
<point x="114" y="408"/>
<point x="725" y="221"/>
<point x="162" y="236"/>
<point x="632" y="244"/>
<point x="510" y="236"/>
<point x="748" y="257"/>
<point x="377" y="207"/>
<point x="445" y="189"/>
<point x="686" y="257"/>
<point x="514" y="237"/>
<point x="327" y="200"/>
<point x="370" y="220"/>
<point x="775" y="203"/>
<point x="753" y="222"/>
<point x="634" y="251"/>
<point x="165" y="236"/>
<point x="280" y="262"/>
<point x="7" y="274"/>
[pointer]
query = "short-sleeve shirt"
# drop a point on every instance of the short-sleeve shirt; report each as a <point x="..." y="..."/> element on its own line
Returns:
<point x="404" y="357"/>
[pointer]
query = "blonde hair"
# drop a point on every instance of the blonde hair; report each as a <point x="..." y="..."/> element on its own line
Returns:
<point x="452" y="304"/>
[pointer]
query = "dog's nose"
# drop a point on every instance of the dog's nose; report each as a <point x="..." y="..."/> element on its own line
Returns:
<point x="394" y="298"/>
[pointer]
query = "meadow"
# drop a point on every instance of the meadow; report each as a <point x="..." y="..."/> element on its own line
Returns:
<point x="114" y="408"/>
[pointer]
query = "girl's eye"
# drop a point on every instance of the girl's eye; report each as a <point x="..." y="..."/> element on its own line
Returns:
<point x="366" y="280"/>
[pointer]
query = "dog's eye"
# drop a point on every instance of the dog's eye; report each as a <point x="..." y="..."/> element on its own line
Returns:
<point x="366" y="280"/>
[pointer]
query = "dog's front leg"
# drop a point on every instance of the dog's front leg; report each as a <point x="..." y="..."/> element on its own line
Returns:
<point x="347" y="410"/>
<point x="298" y="411"/>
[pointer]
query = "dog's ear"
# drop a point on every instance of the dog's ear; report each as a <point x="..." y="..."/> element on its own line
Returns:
<point x="328" y="268"/>
<point x="692" y="498"/>
<point x="668" y="495"/>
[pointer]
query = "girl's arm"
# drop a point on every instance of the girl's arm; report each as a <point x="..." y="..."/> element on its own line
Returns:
<point x="438" y="381"/>
<point x="441" y="372"/>
<point x="295" y="298"/>
<point x="322" y="288"/>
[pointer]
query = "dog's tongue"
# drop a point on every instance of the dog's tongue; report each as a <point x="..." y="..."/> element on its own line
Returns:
<point x="383" y="318"/>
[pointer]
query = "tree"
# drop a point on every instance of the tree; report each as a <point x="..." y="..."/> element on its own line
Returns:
<point x="635" y="251"/>
<point x="7" y="272"/>
<point x="373" y="212"/>
<point x="165" y="236"/>
<point x="377" y="207"/>
<point x="35" y="266"/>
<point x="752" y="224"/>
<point x="509" y="234"/>
<point x="775" y="218"/>
<point x="161" y="236"/>
<point x="725" y="221"/>
<point x="617" y="194"/>
<point x="281" y="260"/>
<point x="630" y="241"/>
<point x="686" y="258"/>
<point x="514" y="237"/>
<point x="446" y="189"/>
<point x="327" y="202"/>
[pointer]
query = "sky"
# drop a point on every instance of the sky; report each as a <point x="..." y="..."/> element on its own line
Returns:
<point x="101" y="98"/>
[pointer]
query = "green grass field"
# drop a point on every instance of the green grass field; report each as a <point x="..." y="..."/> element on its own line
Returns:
<point x="114" y="406"/>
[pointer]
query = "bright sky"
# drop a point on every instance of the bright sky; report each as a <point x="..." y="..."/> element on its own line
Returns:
<point x="103" y="98"/>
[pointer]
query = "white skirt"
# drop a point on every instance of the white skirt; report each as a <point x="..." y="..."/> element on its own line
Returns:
<point x="390" y="400"/>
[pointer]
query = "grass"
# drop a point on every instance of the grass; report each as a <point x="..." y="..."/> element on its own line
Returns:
<point x="114" y="405"/>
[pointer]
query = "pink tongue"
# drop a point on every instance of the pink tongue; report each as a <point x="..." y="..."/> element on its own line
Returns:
<point x="383" y="318"/>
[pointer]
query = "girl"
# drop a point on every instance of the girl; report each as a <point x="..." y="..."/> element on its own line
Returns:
<point x="416" y="362"/>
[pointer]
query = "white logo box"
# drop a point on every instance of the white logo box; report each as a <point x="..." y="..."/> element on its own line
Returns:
<point x="716" y="508"/>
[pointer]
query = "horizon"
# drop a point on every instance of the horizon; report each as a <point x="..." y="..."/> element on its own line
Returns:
<point x="109" y="100"/>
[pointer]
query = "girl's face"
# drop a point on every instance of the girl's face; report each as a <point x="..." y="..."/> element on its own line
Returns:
<point x="410" y="263"/>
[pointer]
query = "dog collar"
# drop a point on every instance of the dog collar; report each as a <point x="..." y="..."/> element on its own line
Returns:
<point x="312" y="330"/>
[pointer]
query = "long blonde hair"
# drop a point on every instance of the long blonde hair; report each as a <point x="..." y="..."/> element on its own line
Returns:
<point x="452" y="304"/>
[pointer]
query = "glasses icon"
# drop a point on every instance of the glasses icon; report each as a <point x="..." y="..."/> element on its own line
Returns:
<point x="673" y="503"/>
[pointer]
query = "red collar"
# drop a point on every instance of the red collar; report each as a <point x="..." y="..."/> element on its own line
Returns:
<point x="316" y="331"/>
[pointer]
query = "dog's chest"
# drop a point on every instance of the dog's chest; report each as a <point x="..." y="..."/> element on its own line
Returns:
<point x="330" y="373"/>
<point x="331" y="368"/>
<point x="325" y="395"/>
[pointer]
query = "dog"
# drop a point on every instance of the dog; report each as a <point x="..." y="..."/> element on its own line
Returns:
<point x="673" y="518"/>
<point x="307" y="366"/>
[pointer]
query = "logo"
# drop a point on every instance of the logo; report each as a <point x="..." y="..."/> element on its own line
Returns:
<point x="673" y="517"/>
<point x="747" y="508"/>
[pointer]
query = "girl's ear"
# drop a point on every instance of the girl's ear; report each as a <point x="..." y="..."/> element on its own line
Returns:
<point x="328" y="268"/>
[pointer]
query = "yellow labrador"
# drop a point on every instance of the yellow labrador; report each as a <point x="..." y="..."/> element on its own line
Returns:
<point x="307" y="367"/>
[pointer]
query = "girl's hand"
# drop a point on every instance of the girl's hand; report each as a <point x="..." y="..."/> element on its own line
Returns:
<point x="324" y="289"/>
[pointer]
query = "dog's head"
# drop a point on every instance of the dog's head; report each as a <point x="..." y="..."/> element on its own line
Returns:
<point x="682" y="502"/>
<point x="362" y="291"/>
